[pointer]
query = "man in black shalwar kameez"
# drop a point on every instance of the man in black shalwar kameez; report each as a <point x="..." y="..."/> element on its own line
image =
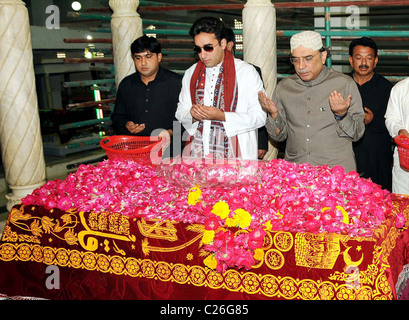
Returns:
<point x="373" y="152"/>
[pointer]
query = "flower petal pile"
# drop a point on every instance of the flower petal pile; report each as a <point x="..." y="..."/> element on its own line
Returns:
<point x="229" y="240"/>
<point x="209" y="172"/>
<point x="300" y="198"/>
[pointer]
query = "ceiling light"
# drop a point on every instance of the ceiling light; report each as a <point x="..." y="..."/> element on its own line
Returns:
<point x="76" y="6"/>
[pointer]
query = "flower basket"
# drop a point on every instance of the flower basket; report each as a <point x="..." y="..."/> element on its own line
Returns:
<point x="403" y="149"/>
<point x="135" y="148"/>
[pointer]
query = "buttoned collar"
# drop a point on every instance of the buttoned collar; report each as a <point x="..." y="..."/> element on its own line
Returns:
<point x="159" y="76"/>
<point x="215" y="68"/>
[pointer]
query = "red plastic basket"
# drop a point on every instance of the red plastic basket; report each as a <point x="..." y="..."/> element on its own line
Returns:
<point x="135" y="148"/>
<point x="403" y="149"/>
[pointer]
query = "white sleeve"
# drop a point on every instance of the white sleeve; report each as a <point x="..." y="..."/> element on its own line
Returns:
<point x="394" y="120"/>
<point x="249" y="115"/>
<point x="185" y="104"/>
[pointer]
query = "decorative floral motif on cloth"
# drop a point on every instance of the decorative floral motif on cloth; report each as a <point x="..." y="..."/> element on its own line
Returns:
<point x="120" y="231"/>
<point x="110" y="250"/>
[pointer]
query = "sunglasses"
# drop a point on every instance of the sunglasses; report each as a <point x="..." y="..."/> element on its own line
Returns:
<point x="207" y="48"/>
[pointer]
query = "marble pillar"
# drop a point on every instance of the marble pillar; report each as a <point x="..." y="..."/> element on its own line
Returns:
<point x="260" y="48"/>
<point x="126" y="26"/>
<point x="20" y="135"/>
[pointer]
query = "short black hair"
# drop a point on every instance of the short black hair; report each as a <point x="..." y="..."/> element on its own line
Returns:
<point x="364" y="41"/>
<point x="145" y="43"/>
<point x="208" y="25"/>
<point x="229" y="35"/>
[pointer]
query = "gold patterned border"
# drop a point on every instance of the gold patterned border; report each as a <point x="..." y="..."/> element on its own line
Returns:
<point x="268" y="285"/>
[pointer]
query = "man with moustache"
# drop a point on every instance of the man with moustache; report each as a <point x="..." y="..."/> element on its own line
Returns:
<point x="146" y="100"/>
<point x="373" y="152"/>
<point x="318" y="110"/>
<point x="218" y="104"/>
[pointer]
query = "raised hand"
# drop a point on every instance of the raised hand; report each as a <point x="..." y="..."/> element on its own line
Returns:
<point x="338" y="104"/>
<point x="268" y="105"/>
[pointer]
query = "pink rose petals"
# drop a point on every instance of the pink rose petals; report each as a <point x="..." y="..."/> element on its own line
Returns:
<point x="300" y="198"/>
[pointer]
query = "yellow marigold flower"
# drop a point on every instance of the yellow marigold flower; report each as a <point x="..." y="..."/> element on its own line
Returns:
<point x="258" y="254"/>
<point x="345" y="217"/>
<point x="210" y="262"/>
<point x="243" y="217"/>
<point x="232" y="222"/>
<point x="279" y="215"/>
<point x="268" y="225"/>
<point x="194" y="195"/>
<point x="208" y="236"/>
<point x="221" y="209"/>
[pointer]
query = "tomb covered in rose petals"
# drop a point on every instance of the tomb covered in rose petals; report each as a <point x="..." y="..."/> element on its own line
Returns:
<point x="207" y="230"/>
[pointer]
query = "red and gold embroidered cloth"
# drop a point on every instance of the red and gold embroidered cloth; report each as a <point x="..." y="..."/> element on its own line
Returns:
<point x="111" y="256"/>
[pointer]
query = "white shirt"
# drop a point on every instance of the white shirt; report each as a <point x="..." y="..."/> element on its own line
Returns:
<point x="397" y="118"/>
<point x="243" y="123"/>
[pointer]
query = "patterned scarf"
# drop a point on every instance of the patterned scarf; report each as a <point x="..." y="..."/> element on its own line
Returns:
<point x="225" y="98"/>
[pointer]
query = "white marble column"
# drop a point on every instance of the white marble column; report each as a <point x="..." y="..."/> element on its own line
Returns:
<point x="20" y="134"/>
<point x="260" y="48"/>
<point x="126" y="26"/>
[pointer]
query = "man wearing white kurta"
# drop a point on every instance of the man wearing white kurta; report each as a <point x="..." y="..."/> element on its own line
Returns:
<point x="201" y="112"/>
<point x="397" y="123"/>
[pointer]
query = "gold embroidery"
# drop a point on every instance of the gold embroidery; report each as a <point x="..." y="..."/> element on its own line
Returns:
<point x="269" y="285"/>
<point x="283" y="241"/>
<point x="120" y="251"/>
<point x="92" y="242"/>
<point x="250" y="282"/>
<point x="215" y="279"/>
<point x="232" y="280"/>
<point x="308" y="289"/>
<point x="274" y="259"/>
<point x="12" y="236"/>
<point x="372" y="284"/>
<point x="348" y="261"/>
<point x="163" y="271"/>
<point x="62" y="228"/>
<point x="164" y="230"/>
<point x="316" y="250"/>
<point x="146" y="248"/>
<point x="380" y="256"/>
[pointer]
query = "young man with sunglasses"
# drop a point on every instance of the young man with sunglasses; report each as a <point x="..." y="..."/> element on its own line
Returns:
<point x="146" y="100"/>
<point x="318" y="110"/>
<point x="218" y="105"/>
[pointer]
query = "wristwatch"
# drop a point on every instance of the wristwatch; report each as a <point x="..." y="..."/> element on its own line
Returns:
<point x="339" y="118"/>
